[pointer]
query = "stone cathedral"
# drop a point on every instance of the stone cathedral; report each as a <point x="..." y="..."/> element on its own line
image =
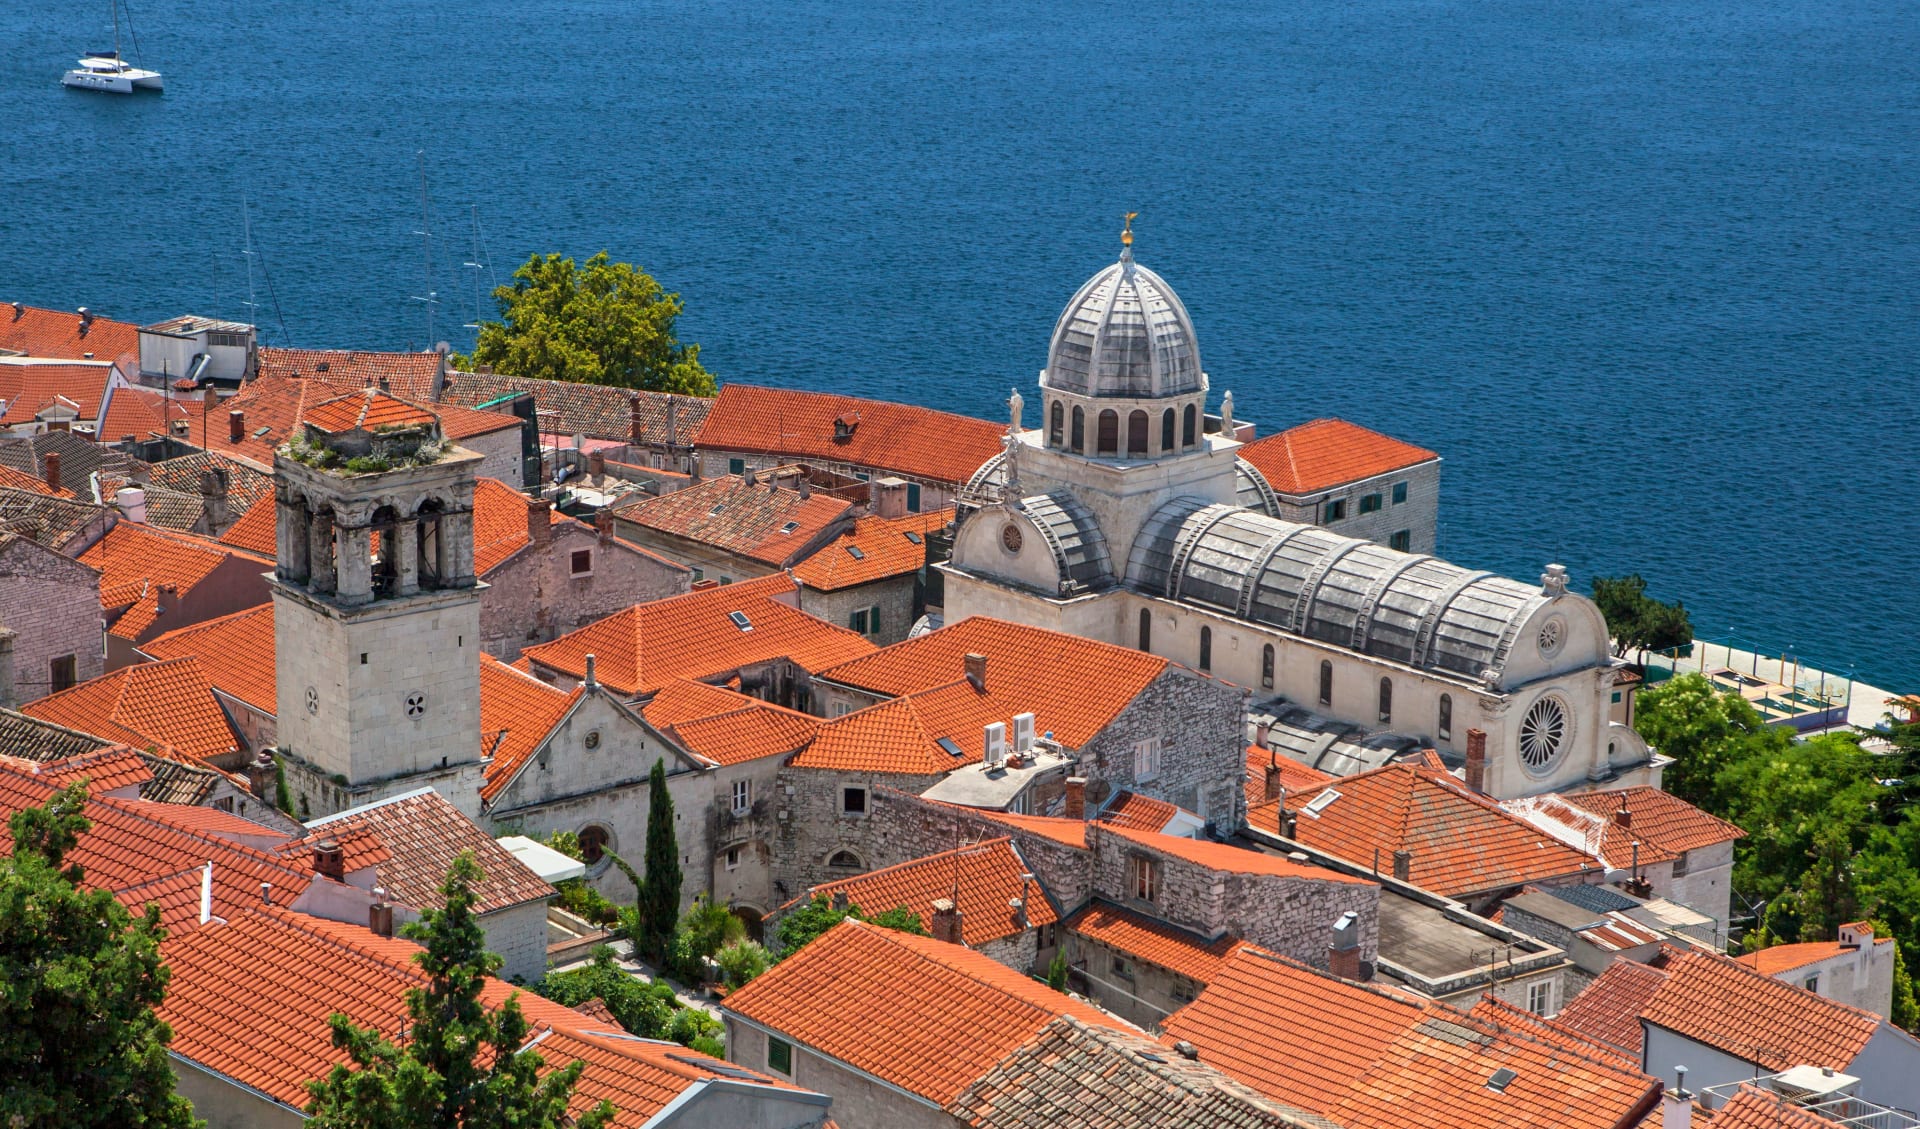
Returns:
<point x="1127" y="516"/>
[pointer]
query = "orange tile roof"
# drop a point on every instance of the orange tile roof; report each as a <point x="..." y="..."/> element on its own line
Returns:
<point x="748" y="733"/>
<point x="1660" y="818"/>
<point x="1776" y="959"/>
<point x="1755" y="1108"/>
<point x="762" y="523"/>
<point x="1590" y="832"/>
<point x="138" y="554"/>
<point x="367" y="409"/>
<point x="1493" y="1009"/>
<point x="1222" y="857"/>
<point x="411" y="375"/>
<point x="500" y="524"/>
<point x="683" y="699"/>
<point x="984" y="876"/>
<point x="873" y="548"/>
<point x="1066" y="832"/>
<point x="1361" y="1056"/>
<point x="1723" y="1004"/>
<point x="927" y="1016"/>
<point x="914" y="441"/>
<point x="645" y="647"/>
<point x="12" y="479"/>
<point x="213" y="822"/>
<point x="519" y="711"/>
<point x="423" y="832"/>
<point x="106" y="770"/>
<point x="1608" y="1010"/>
<point x="1325" y="453"/>
<point x="890" y="737"/>
<point x="1460" y="842"/>
<point x="1152" y="940"/>
<point x="235" y="651"/>
<point x="1140" y="813"/>
<point x="25" y="389"/>
<point x="257" y="531"/>
<point x="143" y="414"/>
<point x="1294" y="776"/>
<point x="41" y="332"/>
<point x="162" y="703"/>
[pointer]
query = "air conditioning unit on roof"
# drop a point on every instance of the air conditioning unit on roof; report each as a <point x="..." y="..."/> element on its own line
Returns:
<point x="1023" y="733"/>
<point x="996" y="745"/>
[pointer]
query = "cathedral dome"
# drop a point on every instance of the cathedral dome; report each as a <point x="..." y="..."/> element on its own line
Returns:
<point x="1124" y="334"/>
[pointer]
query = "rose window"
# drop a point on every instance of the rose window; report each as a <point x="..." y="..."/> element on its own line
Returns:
<point x="1543" y="733"/>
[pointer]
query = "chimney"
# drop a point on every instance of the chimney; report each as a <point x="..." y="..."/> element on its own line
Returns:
<point x="1187" y="1050"/>
<point x="596" y="465"/>
<point x="603" y="524"/>
<point x="213" y="500"/>
<point x="539" y="521"/>
<point x="805" y="487"/>
<point x="166" y="598"/>
<point x="749" y="476"/>
<point x="891" y="501"/>
<point x="266" y="893"/>
<point x="637" y="424"/>
<point x="52" y="473"/>
<point x="1623" y="816"/>
<point x="329" y="860"/>
<point x="86" y="320"/>
<point x="1476" y="760"/>
<point x="946" y="921"/>
<point x="976" y="668"/>
<point x="1273" y="789"/>
<point x="1343" y="954"/>
<point x="206" y="893"/>
<point x="1676" y="1105"/>
<point x="380" y="919"/>
<point x="840" y="900"/>
<point x="673" y="429"/>
<point x="260" y="776"/>
<point x="590" y="682"/>
<point x="236" y="425"/>
<point x="6" y="669"/>
<point x="1076" y="797"/>
<point x="132" y="502"/>
<point x="1403" y="865"/>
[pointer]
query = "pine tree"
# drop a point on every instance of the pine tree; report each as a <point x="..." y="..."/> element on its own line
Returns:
<point x="659" y="901"/>
<point x="80" y="1044"/>
<point x="461" y="1065"/>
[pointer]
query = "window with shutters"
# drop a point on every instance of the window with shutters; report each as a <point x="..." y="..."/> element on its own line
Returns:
<point x="1143" y="878"/>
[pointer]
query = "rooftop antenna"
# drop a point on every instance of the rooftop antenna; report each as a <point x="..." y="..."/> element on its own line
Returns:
<point x="432" y="297"/>
<point x="246" y="228"/>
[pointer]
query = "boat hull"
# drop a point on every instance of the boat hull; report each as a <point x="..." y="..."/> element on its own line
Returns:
<point x="111" y="82"/>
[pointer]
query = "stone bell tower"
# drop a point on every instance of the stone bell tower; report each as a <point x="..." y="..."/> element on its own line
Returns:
<point x="376" y="609"/>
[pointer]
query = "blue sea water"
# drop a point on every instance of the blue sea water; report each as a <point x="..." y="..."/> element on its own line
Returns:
<point x="1643" y="271"/>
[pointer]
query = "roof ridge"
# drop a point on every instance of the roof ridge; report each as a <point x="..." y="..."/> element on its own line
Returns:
<point x="926" y="956"/>
<point x="923" y="860"/>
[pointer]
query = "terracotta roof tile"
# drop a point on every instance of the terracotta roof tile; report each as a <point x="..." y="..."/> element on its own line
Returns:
<point x="236" y="653"/>
<point x="1608" y="1009"/>
<point x="30" y="738"/>
<point x="683" y="700"/>
<point x="143" y="414"/>
<point x="1723" y="1004"/>
<point x="26" y="388"/>
<point x="748" y="733"/>
<point x="1460" y="842"/>
<point x="423" y="832"/>
<point x="257" y="531"/>
<point x="368" y="410"/>
<point x="177" y="782"/>
<point x="1325" y="453"/>
<point x="1152" y="940"/>
<point x="79" y="456"/>
<point x="411" y="375"/>
<point x="247" y="483"/>
<point x="914" y="441"/>
<point x="1660" y="818"/>
<point x="1295" y="777"/>
<point x="500" y="524"/>
<point x="874" y="548"/>
<point x="520" y="710"/>
<point x="1222" y="857"/>
<point x="1776" y="959"/>
<point x="1493" y="1009"/>
<point x="643" y="648"/>
<point x="132" y="553"/>
<point x="106" y="770"/>
<point x="12" y="479"/>
<point x="1138" y="813"/>
<point x="161" y="703"/>
<point x="1066" y="832"/>
<point x="984" y="874"/>
<point x="1592" y="833"/>
<point x="1755" y="1108"/>
<point x="46" y="520"/>
<point x="751" y="520"/>
<point x="927" y="1016"/>
<point x="40" y="332"/>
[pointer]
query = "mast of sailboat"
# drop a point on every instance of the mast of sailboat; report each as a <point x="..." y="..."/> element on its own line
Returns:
<point x="473" y="265"/>
<point x="246" y="228"/>
<point x="432" y="297"/>
<point x="114" y="7"/>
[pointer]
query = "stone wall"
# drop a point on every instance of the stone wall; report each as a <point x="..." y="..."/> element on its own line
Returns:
<point x="894" y="597"/>
<point x="1017" y="951"/>
<point x="501" y="455"/>
<point x="534" y="597"/>
<point x="519" y="935"/>
<point x="902" y="827"/>
<point x="860" y="1101"/>
<point x="1418" y="516"/>
<point x="811" y="827"/>
<point x="706" y="562"/>
<point x="1201" y="725"/>
<point x="52" y="604"/>
<point x="1140" y="992"/>
<point x="1707" y="885"/>
<point x="225" y="1104"/>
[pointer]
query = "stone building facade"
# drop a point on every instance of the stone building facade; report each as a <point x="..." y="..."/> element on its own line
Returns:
<point x="567" y="576"/>
<point x="52" y="604"/>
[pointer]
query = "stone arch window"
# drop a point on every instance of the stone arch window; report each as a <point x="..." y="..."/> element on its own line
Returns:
<point x="1446" y="717"/>
<point x="430" y="551"/>
<point x="1079" y="429"/>
<point x="1326" y="682"/>
<point x="387" y="570"/>
<point x="1190" y="427"/>
<point x="1206" y="648"/>
<point x="1266" y="666"/>
<point x="1166" y="431"/>
<point x="1137" y="427"/>
<point x="1146" y="629"/>
<point x="1386" y="700"/>
<point x="1109" y="435"/>
<point x="1057" y="424"/>
<point x="595" y="841"/>
<point x="845" y="860"/>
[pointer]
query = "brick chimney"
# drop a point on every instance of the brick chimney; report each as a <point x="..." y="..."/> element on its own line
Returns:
<point x="603" y="524"/>
<point x="1273" y="787"/>
<point x="260" y="776"/>
<point x="1476" y="760"/>
<point x="1343" y="954"/>
<point x="1623" y="816"/>
<point x="539" y="521"/>
<point x="236" y="425"/>
<point x="52" y="473"/>
<point x="945" y="925"/>
<point x="1076" y="797"/>
<point x="976" y="670"/>
<point x="637" y="424"/>
<point x="380" y="919"/>
<point x="329" y="860"/>
<point x="596" y="465"/>
<point x="1403" y="865"/>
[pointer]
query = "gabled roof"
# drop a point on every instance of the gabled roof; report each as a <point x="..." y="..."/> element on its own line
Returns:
<point x="410" y="375"/>
<point x="930" y="1017"/>
<point x="142" y="413"/>
<point x="46" y="520"/>
<point x="520" y="711"/>
<point x="500" y="524"/>
<point x="914" y="441"/>
<point x="79" y="456"/>
<point x="138" y="560"/>
<point x="30" y="738"/>
<point x="235" y="652"/>
<point x="748" y="733"/>
<point x="1592" y="833"/>
<point x="1360" y="1056"/>
<point x="28" y="388"/>
<point x="1608" y="1009"/>
<point x="762" y="522"/>
<point x="105" y="770"/>
<point x="1066" y="832"/>
<point x="1493" y="1009"/>
<point x="1721" y="1003"/>
<point x="247" y="484"/>
<point x="1324" y="453"/>
<point x="1140" y="813"/>
<point x="1660" y="818"/>
<point x="41" y="332"/>
<point x="367" y="409"/>
<point x="1228" y="859"/>
<point x="257" y="531"/>
<point x="12" y="479"/>
<point x="979" y="879"/>
<point x="1460" y="842"/>
<point x="683" y="699"/>
<point x="1152" y="940"/>
<point x="641" y="649"/>
<point x="1777" y="959"/>
<point x="873" y="548"/>
<point x="1755" y="1108"/>
<point x="423" y="832"/>
<point x="150" y="704"/>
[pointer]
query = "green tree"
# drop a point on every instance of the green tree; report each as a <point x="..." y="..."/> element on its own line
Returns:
<point x="1705" y="731"/>
<point x="658" y="907"/>
<point x="1637" y="620"/>
<point x="1057" y="970"/>
<point x="705" y="930"/>
<point x="819" y="915"/>
<point x="741" y="961"/>
<point x="462" y="1064"/>
<point x="643" y="1009"/>
<point x="597" y="322"/>
<point x="80" y="1044"/>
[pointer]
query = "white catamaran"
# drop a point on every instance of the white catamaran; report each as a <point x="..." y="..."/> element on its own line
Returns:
<point x="106" y="70"/>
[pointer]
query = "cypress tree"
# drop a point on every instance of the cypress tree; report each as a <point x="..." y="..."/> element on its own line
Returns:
<point x="659" y="903"/>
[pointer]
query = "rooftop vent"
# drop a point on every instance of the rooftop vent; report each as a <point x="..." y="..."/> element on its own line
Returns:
<point x="322" y="366"/>
<point x="1502" y="1078"/>
<point x="1322" y="802"/>
<point x="740" y="620"/>
<point x="854" y="552"/>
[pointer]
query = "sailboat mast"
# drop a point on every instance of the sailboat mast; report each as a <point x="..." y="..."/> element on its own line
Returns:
<point x="426" y="245"/>
<point x="114" y="7"/>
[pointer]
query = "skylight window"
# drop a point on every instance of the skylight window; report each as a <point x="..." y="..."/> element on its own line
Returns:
<point x="740" y="620"/>
<point x="854" y="552"/>
<point x="913" y="537"/>
<point x="1502" y="1078"/>
<point x="1322" y="802"/>
<point x="715" y="511"/>
<point x="790" y="527"/>
<point x="952" y="749"/>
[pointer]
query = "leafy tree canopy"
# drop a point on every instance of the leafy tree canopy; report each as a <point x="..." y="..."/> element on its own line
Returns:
<point x="461" y="1064"/>
<point x="1637" y="620"/>
<point x="597" y="322"/>
<point x="648" y="1010"/>
<point x="819" y="915"/>
<point x="79" y="980"/>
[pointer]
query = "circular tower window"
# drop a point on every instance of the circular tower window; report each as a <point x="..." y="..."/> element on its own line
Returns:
<point x="1543" y="734"/>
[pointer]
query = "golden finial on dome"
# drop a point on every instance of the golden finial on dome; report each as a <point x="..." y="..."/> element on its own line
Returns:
<point x="1126" y="233"/>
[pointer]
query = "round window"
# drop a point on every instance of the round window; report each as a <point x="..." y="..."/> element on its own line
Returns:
<point x="593" y="739"/>
<point x="1543" y="734"/>
<point x="313" y="700"/>
<point x="416" y="705"/>
<point x="1010" y="537"/>
<point x="1552" y="633"/>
